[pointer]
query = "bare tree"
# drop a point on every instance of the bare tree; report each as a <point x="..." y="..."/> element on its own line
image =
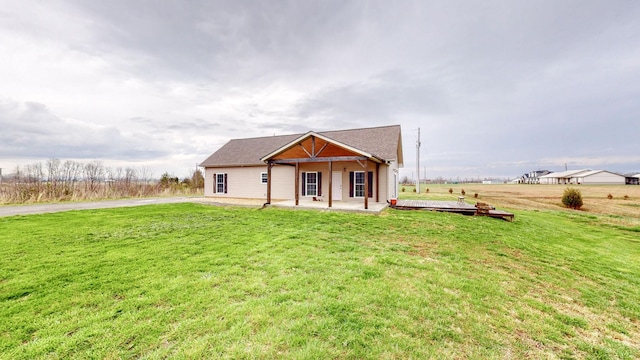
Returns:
<point x="93" y="175"/>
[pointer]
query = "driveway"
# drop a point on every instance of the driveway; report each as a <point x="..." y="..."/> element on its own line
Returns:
<point x="12" y="210"/>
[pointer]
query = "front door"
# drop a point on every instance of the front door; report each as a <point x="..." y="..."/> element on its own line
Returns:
<point x="336" y="185"/>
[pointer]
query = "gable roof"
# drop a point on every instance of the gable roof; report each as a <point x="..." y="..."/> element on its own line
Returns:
<point x="383" y="142"/>
<point x="302" y="139"/>
<point x="593" y="172"/>
<point x="565" y="174"/>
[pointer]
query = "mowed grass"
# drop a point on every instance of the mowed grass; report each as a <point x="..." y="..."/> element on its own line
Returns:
<point x="198" y="281"/>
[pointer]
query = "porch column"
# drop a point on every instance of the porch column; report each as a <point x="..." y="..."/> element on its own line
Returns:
<point x="366" y="185"/>
<point x="269" y="166"/>
<point x="330" y="183"/>
<point x="297" y="182"/>
<point x="378" y="182"/>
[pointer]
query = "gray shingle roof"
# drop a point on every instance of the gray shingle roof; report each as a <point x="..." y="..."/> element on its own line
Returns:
<point x="384" y="142"/>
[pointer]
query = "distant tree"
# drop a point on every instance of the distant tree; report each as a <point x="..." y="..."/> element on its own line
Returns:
<point x="197" y="179"/>
<point x="572" y="198"/>
<point x="167" y="180"/>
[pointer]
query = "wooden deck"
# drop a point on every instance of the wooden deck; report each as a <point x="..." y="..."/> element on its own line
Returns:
<point x="451" y="206"/>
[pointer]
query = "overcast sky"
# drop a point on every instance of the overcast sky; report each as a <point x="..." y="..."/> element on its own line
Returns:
<point x="497" y="88"/>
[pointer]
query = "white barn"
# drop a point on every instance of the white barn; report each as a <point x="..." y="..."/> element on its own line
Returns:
<point x="584" y="176"/>
<point x="600" y="177"/>
<point x="564" y="177"/>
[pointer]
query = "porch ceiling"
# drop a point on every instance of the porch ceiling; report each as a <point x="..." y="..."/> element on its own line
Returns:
<point x="321" y="149"/>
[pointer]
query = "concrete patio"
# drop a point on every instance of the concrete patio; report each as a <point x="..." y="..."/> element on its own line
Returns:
<point x="352" y="206"/>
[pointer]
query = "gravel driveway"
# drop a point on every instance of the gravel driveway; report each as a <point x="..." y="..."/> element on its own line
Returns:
<point x="11" y="210"/>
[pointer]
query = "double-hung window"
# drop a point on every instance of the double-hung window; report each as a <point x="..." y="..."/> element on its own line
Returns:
<point x="220" y="183"/>
<point x="358" y="184"/>
<point x="311" y="184"/>
<point x="263" y="178"/>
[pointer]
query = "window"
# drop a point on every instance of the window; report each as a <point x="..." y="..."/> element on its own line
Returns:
<point x="311" y="184"/>
<point x="263" y="178"/>
<point x="358" y="184"/>
<point x="220" y="183"/>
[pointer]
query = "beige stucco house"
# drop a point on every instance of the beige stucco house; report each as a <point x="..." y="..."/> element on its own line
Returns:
<point x="584" y="176"/>
<point x="327" y="166"/>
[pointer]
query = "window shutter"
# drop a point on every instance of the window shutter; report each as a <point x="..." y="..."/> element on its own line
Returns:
<point x="370" y="179"/>
<point x="350" y="183"/>
<point x="215" y="183"/>
<point x="319" y="183"/>
<point x="304" y="183"/>
<point x="225" y="183"/>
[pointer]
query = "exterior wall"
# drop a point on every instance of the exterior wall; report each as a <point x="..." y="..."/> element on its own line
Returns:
<point x="548" y="180"/>
<point x="603" y="178"/>
<point x="245" y="182"/>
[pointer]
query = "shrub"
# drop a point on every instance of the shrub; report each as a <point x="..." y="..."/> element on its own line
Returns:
<point x="609" y="196"/>
<point x="403" y="189"/>
<point x="462" y="192"/>
<point x="414" y="189"/>
<point x="450" y="191"/>
<point x="475" y="195"/>
<point x="426" y="190"/>
<point x="572" y="198"/>
<point x="626" y="197"/>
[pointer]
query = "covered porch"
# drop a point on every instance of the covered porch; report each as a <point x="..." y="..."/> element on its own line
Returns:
<point x="311" y="155"/>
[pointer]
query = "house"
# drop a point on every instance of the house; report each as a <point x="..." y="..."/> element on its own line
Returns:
<point x="599" y="177"/>
<point x="533" y="177"/>
<point x="343" y="165"/>
<point x="584" y="176"/>
<point x="564" y="177"/>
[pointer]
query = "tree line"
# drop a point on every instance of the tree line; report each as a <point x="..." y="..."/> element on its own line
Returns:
<point x="69" y="180"/>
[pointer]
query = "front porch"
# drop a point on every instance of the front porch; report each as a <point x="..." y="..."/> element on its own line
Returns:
<point x="311" y="155"/>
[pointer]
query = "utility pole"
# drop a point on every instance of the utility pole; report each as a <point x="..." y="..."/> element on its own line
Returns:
<point x="418" y="163"/>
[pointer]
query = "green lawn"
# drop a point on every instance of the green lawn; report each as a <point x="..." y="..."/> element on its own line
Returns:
<point x="197" y="281"/>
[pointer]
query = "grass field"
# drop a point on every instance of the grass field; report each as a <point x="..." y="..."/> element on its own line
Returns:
<point x="198" y="281"/>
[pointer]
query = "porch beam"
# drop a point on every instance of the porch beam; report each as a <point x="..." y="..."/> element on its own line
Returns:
<point x="305" y="150"/>
<point x="269" y="166"/>
<point x="366" y="185"/>
<point x="297" y="184"/>
<point x="315" y="160"/>
<point x="378" y="182"/>
<point x="313" y="147"/>
<point x="330" y="183"/>
<point x="319" y="151"/>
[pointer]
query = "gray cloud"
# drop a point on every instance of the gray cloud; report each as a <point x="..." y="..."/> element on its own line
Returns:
<point x="30" y="130"/>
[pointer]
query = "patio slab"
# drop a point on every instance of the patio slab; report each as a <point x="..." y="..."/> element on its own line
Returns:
<point x="374" y="207"/>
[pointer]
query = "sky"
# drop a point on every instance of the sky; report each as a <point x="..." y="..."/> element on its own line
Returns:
<point x="497" y="88"/>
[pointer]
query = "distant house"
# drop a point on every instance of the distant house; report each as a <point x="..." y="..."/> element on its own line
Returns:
<point x="564" y="177"/>
<point x="584" y="176"/>
<point x="533" y="177"/>
<point x="600" y="177"/>
<point x="345" y="165"/>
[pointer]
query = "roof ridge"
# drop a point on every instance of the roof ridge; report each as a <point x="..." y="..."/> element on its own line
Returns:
<point x="356" y="129"/>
